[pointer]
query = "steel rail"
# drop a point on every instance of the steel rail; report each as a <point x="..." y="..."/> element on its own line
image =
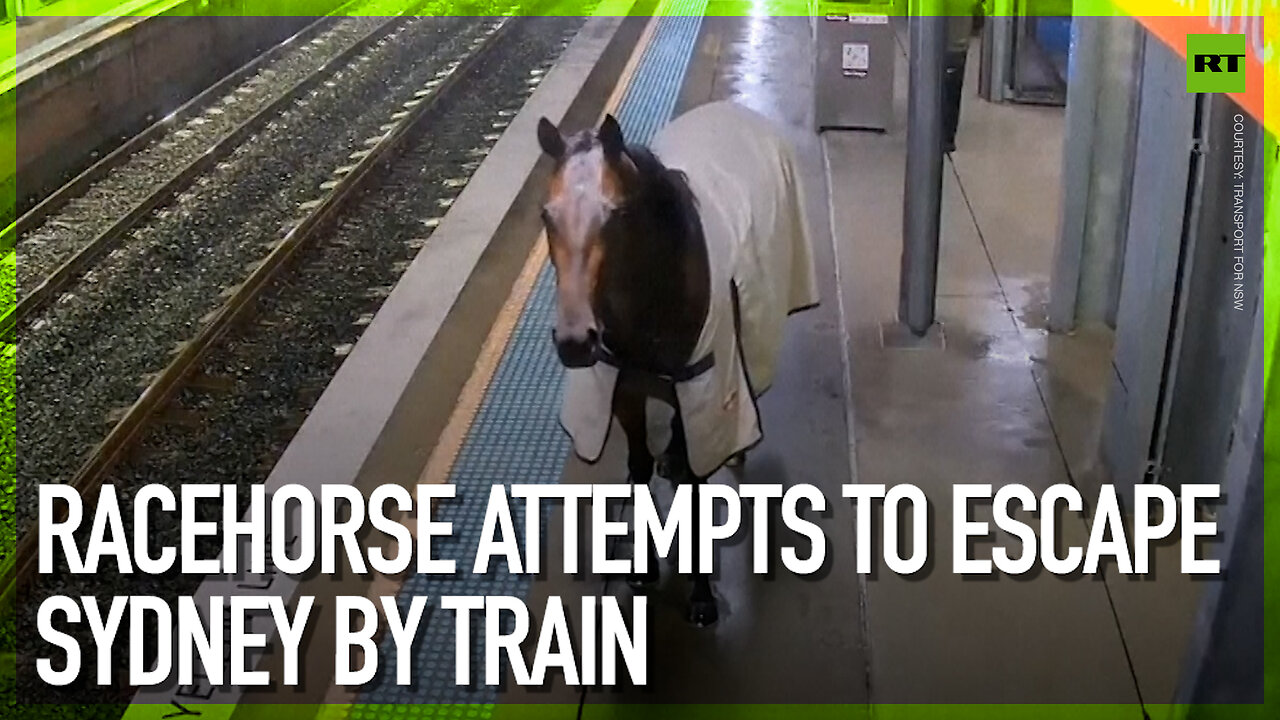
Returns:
<point x="103" y="242"/>
<point x="80" y="184"/>
<point x="165" y="385"/>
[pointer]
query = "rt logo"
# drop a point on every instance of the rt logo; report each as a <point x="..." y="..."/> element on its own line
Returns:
<point x="1215" y="63"/>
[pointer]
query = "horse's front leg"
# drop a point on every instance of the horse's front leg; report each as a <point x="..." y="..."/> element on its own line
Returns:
<point x="703" y="609"/>
<point x="629" y="408"/>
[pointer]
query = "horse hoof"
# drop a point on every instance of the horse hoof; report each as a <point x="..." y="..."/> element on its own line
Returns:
<point x="663" y="468"/>
<point x="703" y="613"/>
<point x="640" y="581"/>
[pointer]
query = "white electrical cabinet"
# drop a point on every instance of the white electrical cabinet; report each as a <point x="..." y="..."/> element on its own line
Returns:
<point x="853" y="67"/>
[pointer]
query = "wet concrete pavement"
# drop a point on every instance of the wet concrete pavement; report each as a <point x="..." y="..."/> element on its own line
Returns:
<point x="999" y="401"/>
<point x="995" y="400"/>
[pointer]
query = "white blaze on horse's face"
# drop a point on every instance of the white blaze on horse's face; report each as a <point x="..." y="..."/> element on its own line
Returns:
<point x="584" y="191"/>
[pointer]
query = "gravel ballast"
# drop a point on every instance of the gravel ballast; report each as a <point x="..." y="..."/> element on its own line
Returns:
<point x="278" y="364"/>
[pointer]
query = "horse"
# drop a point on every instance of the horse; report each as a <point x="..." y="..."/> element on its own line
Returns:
<point x="675" y="266"/>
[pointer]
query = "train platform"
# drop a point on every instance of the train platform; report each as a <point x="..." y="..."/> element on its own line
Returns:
<point x="50" y="33"/>
<point x="28" y="32"/>
<point x="455" y="381"/>
<point x="995" y="399"/>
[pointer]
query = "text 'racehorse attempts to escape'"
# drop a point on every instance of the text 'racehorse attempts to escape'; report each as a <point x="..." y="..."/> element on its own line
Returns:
<point x="295" y="533"/>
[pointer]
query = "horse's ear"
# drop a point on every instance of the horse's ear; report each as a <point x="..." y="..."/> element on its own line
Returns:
<point x="611" y="137"/>
<point x="550" y="139"/>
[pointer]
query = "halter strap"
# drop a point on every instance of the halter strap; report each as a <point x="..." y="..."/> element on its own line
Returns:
<point x="685" y="374"/>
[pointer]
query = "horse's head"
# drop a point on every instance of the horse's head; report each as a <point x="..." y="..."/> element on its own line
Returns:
<point x="586" y="191"/>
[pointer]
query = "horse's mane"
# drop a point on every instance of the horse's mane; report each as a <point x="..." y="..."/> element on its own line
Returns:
<point x="664" y="191"/>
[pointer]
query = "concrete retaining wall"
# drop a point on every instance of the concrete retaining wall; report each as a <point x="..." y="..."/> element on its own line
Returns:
<point x="123" y="80"/>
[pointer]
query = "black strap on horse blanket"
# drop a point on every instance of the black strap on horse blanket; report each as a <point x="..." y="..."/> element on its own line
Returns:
<point x="691" y="371"/>
<point x="685" y="374"/>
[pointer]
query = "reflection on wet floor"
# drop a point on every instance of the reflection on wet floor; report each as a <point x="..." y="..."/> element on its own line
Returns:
<point x="755" y="48"/>
<point x="1001" y="401"/>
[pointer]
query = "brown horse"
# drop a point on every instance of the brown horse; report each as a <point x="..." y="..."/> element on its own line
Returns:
<point x="633" y="286"/>
<point x="648" y="294"/>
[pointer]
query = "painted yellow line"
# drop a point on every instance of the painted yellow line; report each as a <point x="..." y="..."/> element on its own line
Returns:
<point x="338" y="700"/>
<point x="440" y="464"/>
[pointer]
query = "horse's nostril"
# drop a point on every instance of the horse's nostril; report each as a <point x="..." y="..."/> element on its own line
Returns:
<point x="593" y="336"/>
<point x="576" y="353"/>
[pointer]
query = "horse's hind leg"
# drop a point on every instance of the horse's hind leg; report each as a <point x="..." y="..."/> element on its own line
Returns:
<point x="629" y="407"/>
<point x="664" y="467"/>
<point x="703" y="610"/>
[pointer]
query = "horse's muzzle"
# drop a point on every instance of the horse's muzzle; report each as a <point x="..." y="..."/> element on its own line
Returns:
<point x="578" y="352"/>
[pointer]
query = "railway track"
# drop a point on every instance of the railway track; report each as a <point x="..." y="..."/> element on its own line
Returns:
<point x="228" y="367"/>
<point x="66" y="233"/>
<point x="81" y="358"/>
<point x="158" y="301"/>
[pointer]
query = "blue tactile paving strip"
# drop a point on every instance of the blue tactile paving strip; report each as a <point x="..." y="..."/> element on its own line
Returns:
<point x="515" y="437"/>
<point x="651" y="96"/>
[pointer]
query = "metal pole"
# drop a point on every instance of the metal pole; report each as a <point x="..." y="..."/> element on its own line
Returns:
<point x="922" y="198"/>
<point x="997" y="34"/>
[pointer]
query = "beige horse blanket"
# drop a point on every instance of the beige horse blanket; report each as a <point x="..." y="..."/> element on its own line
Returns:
<point x="743" y="173"/>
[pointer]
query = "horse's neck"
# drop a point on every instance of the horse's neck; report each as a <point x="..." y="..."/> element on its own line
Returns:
<point x="657" y="293"/>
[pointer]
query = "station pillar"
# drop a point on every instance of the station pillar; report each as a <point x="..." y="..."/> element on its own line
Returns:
<point x="922" y="196"/>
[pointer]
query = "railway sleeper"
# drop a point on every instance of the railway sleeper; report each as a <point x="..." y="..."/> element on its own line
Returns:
<point x="289" y="427"/>
<point x="176" y="415"/>
<point x="219" y="384"/>
<point x="310" y="395"/>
